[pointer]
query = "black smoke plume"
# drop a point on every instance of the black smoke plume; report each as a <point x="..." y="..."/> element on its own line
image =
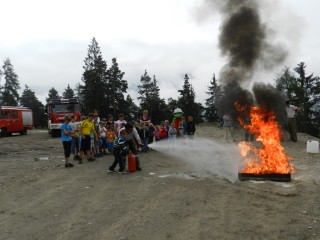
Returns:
<point x="244" y="41"/>
<point x="270" y="98"/>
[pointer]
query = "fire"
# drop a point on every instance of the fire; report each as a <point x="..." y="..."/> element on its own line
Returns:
<point x="270" y="157"/>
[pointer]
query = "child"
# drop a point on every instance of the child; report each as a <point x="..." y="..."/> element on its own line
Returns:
<point x="163" y="131"/>
<point x="151" y="129"/>
<point x="96" y="150"/>
<point x="157" y="133"/>
<point x="111" y="137"/>
<point x="180" y="130"/>
<point x="172" y="133"/>
<point x="115" y="127"/>
<point x="120" y="151"/>
<point x="86" y="128"/>
<point x="66" y="139"/>
<point x="144" y="136"/>
<point x="75" y="146"/>
<point x="103" y="139"/>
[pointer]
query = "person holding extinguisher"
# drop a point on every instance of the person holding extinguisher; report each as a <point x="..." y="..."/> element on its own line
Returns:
<point x="132" y="137"/>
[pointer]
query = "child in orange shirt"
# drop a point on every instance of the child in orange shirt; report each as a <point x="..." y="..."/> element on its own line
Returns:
<point x="111" y="137"/>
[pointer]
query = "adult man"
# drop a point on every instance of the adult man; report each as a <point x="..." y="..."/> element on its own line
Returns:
<point x="291" y="120"/>
<point x="131" y="137"/>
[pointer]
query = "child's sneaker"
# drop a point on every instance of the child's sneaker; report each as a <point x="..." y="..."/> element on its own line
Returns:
<point x="111" y="171"/>
<point x="68" y="165"/>
<point x="91" y="159"/>
<point x="122" y="172"/>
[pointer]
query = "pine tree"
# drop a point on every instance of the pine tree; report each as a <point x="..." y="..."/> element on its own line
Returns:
<point x="172" y="105"/>
<point x="286" y="83"/>
<point x="131" y="108"/>
<point x="187" y="96"/>
<point x="187" y="101"/>
<point x="150" y="97"/>
<point x="304" y="92"/>
<point x="308" y="93"/>
<point x="53" y="94"/>
<point x="211" y="113"/>
<point x="68" y="93"/>
<point x="10" y="95"/>
<point x="144" y="90"/>
<point x="94" y="79"/>
<point x="28" y="99"/>
<point x="78" y="92"/>
<point x="116" y="87"/>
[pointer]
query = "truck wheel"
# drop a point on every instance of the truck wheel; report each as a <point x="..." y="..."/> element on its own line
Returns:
<point x="3" y="132"/>
<point x="24" y="132"/>
<point x="55" y="133"/>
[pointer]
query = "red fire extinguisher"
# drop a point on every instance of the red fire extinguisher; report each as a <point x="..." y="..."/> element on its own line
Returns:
<point x="131" y="162"/>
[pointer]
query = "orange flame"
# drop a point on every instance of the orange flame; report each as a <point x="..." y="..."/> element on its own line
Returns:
<point x="270" y="157"/>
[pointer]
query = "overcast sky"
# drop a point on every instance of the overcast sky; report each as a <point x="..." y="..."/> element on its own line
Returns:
<point x="47" y="41"/>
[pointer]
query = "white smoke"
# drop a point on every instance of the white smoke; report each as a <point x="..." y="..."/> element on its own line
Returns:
<point x="206" y="157"/>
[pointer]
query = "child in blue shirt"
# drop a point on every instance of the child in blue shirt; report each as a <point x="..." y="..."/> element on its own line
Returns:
<point x="66" y="139"/>
<point x="172" y="133"/>
<point x="120" y="151"/>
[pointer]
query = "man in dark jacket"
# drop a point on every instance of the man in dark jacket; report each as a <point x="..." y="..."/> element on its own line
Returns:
<point x="191" y="127"/>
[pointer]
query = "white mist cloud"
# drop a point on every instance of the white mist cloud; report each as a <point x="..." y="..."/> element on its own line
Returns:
<point x="206" y="157"/>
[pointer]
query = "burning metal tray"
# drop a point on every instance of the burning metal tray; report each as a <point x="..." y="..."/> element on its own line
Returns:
<point x="278" y="177"/>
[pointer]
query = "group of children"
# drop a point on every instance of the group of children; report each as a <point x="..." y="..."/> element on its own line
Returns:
<point x="186" y="129"/>
<point x="95" y="138"/>
<point x="92" y="137"/>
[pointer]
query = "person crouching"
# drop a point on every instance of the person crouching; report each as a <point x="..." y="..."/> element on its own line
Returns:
<point x="120" y="151"/>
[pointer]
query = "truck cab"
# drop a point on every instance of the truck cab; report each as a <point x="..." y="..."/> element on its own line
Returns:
<point x="58" y="109"/>
<point x="15" y="120"/>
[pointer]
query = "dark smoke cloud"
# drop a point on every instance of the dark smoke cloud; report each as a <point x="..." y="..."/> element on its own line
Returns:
<point x="270" y="98"/>
<point x="231" y="93"/>
<point x="244" y="41"/>
<point x="263" y="95"/>
<point x="241" y="40"/>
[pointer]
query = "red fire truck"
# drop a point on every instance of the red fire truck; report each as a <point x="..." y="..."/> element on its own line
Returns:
<point x="15" y="120"/>
<point x="58" y="109"/>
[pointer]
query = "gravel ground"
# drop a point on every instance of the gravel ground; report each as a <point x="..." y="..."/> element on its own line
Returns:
<point x="186" y="190"/>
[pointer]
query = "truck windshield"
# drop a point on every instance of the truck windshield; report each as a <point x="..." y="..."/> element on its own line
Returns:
<point x="65" y="108"/>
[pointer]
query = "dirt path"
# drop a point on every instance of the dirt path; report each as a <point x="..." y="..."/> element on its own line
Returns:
<point x="171" y="198"/>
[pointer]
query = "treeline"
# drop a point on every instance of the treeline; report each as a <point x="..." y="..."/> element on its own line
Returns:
<point x="103" y="88"/>
<point x="303" y="91"/>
